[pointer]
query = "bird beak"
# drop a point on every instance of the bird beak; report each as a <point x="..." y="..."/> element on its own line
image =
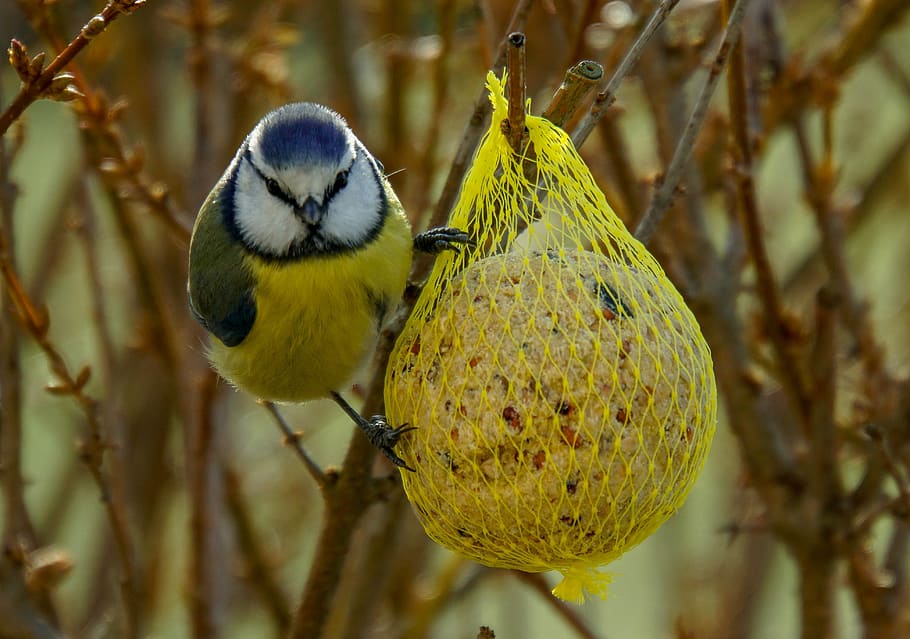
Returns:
<point x="310" y="213"/>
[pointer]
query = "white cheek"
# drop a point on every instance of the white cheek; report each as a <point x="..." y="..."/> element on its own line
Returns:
<point x="355" y="210"/>
<point x="264" y="221"/>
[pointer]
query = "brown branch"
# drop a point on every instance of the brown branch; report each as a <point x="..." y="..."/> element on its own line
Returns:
<point x="576" y="85"/>
<point x="881" y="593"/>
<point x="292" y="438"/>
<point x="345" y="502"/>
<point x="798" y="85"/>
<point x="892" y="171"/>
<point x="816" y="594"/>
<point x="334" y="19"/>
<point x="820" y="181"/>
<point x="607" y="96"/>
<point x="372" y="577"/>
<point x="764" y="441"/>
<point x="817" y="552"/>
<point x="449" y="587"/>
<point x="664" y="71"/>
<point x="257" y="569"/>
<point x="470" y="138"/>
<point x="86" y="231"/>
<point x="18" y="528"/>
<point x="91" y="450"/>
<point x="119" y="163"/>
<point x="538" y="584"/>
<point x="684" y="148"/>
<point x="200" y="458"/>
<point x="775" y="320"/>
<point x="201" y="23"/>
<point x="614" y="142"/>
<point x="866" y="24"/>
<point x="514" y="125"/>
<point x="37" y="86"/>
<point x="824" y="478"/>
<point x="259" y="57"/>
<point x="427" y="166"/>
<point x="894" y="600"/>
<point x="396" y="32"/>
<point x="891" y="464"/>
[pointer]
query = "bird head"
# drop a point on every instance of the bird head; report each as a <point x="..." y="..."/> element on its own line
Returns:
<point x="302" y="185"/>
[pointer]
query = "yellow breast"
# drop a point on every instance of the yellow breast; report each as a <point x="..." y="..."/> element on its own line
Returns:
<point x="317" y="318"/>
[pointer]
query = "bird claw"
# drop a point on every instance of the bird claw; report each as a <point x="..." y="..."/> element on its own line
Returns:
<point x="385" y="437"/>
<point x="441" y="238"/>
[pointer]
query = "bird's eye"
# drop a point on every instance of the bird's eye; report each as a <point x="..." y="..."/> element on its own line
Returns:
<point x="340" y="181"/>
<point x="273" y="187"/>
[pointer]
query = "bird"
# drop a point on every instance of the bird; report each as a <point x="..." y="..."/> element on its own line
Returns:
<point x="297" y="255"/>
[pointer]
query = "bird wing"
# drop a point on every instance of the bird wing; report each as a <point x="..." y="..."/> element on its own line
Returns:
<point x="220" y="285"/>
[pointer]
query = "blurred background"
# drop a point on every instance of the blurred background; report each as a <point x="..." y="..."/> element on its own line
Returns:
<point x="143" y="498"/>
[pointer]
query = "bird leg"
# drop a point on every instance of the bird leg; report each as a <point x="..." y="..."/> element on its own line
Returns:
<point x="441" y="238"/>
<point x="378" y="431"/>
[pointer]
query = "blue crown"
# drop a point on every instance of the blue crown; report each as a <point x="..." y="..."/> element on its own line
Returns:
<point x="303" y="133"/>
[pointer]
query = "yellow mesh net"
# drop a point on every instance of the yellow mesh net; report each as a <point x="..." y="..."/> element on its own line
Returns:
<point x="563" y="393"/>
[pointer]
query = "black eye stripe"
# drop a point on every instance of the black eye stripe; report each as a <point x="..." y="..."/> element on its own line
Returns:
<point x="271" y="184"/>
<point x="273" y="187"/>
<point x="341" y="181"/>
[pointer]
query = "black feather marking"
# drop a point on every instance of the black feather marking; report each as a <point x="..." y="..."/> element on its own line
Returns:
<point x="233" y="328"/>
<point x="610" y="300"/>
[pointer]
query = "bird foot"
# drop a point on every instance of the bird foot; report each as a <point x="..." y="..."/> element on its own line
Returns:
<point x="441" y="238"/>
<point x="385" y="437"/>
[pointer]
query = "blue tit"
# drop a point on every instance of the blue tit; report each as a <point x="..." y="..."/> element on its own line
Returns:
<point x="297" y="255"/>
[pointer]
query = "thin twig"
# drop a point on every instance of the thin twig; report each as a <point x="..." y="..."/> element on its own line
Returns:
<point x="428" y="165"/>
<point x="538" y="584"/>
<point x="86" y="231"/>
<point x="514" y="125"/>
<point x="118" y="162"/>
<point x="892" y="66"/>
<point x="820" y="181"/>
<point x="201" y="456"/>
<point x="91" y="450"/>
<point x="895" y="565"/>
<point x="665" y="193"/>
<point x="257" y="569"/>
<point x="768" y="290"/>
<point x="18" y="529"/>
<point x="471" y="137"/>
<point x="346" y="499"/>
<point x="891" y="464"/>
<point x="36" y="87"/>
<point x="576" y="85"/>
<point x="824" y="479"/>
<point x="199" y="60"/>
<point x="449" y="586"/>
<point x="866" y="25"/>
<point x="376" y="567"/>
<point x="335" y="22"/>
<point x="346" y="502"/>
<point x="292" y="438"/>
<point x="891" y="172"/>
<point x="608" y="95"/>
